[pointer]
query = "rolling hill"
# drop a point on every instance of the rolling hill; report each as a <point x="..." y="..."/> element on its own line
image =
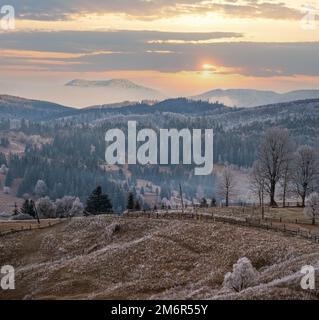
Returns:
<point x="251" y="98"/>
<point x="17" y="108"/>
<point x="116" y="90"/>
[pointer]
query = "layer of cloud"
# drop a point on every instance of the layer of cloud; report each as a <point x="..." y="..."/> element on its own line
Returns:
<point x="151" y="9"/>
<point x="139" y="50"/>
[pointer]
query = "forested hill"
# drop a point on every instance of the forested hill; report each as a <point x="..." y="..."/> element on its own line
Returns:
<point x="68" y="152"/>
<point x="19" y="108"/>
<point x="34" y="110"/>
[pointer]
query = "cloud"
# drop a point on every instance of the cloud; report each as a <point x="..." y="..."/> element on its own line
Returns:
<point x="136" y="50"/>
<point x="92" y="41"/>
<point x="151" y="9"/>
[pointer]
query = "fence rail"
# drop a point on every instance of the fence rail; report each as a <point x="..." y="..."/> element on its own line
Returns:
<point x="250" y="211"/>
<point x="247" y="222"/>
<point x="274" y="224"/>
<point x="29" y="227"/>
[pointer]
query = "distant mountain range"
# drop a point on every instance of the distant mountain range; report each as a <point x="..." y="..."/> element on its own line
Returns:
<point x="118" y="89"/>
<point x="17" y="108"/>
<point x="247" y="98"/>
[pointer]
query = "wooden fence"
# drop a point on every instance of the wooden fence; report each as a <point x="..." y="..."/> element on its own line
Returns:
<point x="30" y="226"/>
<point x="247" y="222"/>
<point x="278" y="225"/>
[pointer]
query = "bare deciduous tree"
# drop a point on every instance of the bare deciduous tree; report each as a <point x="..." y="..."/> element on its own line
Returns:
<point x="258" y="183"/>
<point x="286" y="179"/>
<point x="312" y="207"/>
<point x="227" y="184"/>
<point x="306" y="171"/>
<point x="274" y="152"/>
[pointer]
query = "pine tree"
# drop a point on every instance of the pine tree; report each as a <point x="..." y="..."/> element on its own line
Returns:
<point x="213" y="203"/>
<point x="25" y="207"/>
<point x="105" y="205"/>
<point x="92" y="204"/>
<point x="28" y="208"/>
<point x="203" y="203"/>
<point x="130" y="201"/>
<point x="137" y="206"/>
<point x="98" y="202"/>
<point x="15" y="210"/>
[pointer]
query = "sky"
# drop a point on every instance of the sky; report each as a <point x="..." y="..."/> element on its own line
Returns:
<point x="180" y="48"/>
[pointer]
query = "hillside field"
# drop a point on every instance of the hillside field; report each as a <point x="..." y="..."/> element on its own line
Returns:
<point x="107" y="257"/>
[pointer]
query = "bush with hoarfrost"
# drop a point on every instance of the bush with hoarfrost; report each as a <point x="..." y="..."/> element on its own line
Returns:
<point x="46" y="208"/>
<point x="40" y="188"/>
<point x="69" y="206"/>
<point x="77" y="208"/>
<point x="6" y="190"/>
<point x="5" y="215"/>
<point x="64" y="206"/>
<point x="244" y="275"/>
<point x="312" y="207"/>
<point x="3" y="169"/>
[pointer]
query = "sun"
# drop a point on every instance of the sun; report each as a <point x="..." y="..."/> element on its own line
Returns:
<point x="208" y="67"/>
<point x="207" y="70"/>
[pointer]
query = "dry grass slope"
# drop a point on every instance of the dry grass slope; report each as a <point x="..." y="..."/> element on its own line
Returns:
<point x="118" y="258"/>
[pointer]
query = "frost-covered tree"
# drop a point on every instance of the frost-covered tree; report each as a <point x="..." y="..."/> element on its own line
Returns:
<point x="6" y="190"/>
<point x="258" y="181"/>
<point x="165" y="203"/>
<point x="312" y="207"/>
<point x="226" y="184"/>
<point x="46" y="208"/>
<point x="286" y="179"/>
<point x="40" y="188"/>
<point x="3" y="169"/>
<point x="244" y="275"/>
<point x="64" y="206"/>
<point x="306" y="171"/>
<point x="274" y="152"/>
<point x="77" y="208"/>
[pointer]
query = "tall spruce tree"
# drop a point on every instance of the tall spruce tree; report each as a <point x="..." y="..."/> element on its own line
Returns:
<point x="28" y="208"/>
<point x="98" y="202"/>
<point x="15" y="209"/>
<point x="25" y="207"/>
<point x="130" y="201"/>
